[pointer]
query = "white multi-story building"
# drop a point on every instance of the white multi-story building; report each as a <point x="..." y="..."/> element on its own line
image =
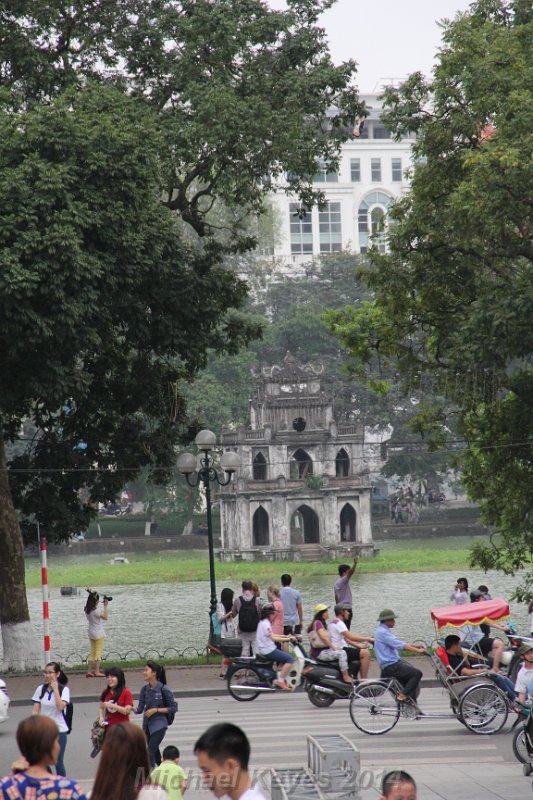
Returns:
<point x="371" y="174"/>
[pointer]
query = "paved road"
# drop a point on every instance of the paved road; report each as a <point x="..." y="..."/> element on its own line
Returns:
<point x="446" y="760"/>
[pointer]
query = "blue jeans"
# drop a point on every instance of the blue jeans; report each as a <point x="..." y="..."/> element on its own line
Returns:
<point x="60" y="764"/>
<point x="506" y="685"/>
<point x="280" y="656"/>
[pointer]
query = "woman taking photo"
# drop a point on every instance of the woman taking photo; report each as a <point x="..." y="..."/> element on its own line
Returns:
<point x="38" y="742"/>
<point x="320" y="642"/>
<point x="228" y="628"/>
<point x="156" y="703"/>
<point x="95" y="618"/>
<point x="50" y="700"/>
<point x="124" y="768"/>
<point x="116" y="702"/>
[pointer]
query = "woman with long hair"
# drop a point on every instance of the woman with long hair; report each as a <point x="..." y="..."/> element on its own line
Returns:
<point x="228" y="628"/>
<point x="38" y="742"/>
<point x="96" y="632"/>
<point x="156" y="703"/>
<point x="50" y="699"/>
<point x="116" y="701"/>
<point x="273" y="595"/>
<point x="320" y="642"/>
<point x="124" y="767"/>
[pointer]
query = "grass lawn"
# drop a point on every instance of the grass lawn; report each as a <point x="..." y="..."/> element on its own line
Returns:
<point x="420" y="555"/>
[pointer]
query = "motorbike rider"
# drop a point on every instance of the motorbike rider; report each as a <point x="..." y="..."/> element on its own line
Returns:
<point x="266" y="645"/>
<point x="340" y="637"/>
<point x="321" y="647"/>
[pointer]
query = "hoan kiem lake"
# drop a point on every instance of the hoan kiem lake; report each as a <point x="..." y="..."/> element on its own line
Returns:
<point x="159" y="619"/>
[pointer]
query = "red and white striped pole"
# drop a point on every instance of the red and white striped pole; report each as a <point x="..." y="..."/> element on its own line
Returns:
<point x="46" y="614"/>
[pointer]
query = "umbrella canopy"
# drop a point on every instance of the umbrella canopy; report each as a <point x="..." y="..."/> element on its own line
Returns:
<point x="471" y="613"/>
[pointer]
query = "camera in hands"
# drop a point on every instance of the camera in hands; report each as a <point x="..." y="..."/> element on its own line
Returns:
<point x="96" y="596"/>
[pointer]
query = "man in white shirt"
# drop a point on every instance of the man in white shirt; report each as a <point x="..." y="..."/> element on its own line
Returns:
<point x="223" y="754"/>
<point x="340" y="637"/>
<point x="524" y="679"/>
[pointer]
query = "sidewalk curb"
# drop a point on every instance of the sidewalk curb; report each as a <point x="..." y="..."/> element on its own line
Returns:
<point x="206" y="691"/>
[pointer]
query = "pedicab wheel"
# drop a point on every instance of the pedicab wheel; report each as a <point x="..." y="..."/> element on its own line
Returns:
<point x="483" y="709"/>
<point x="520" y="748"/>
<point x="373" y="708"/>
<point x="243" y="683"/>
<point x="320" y="699"/>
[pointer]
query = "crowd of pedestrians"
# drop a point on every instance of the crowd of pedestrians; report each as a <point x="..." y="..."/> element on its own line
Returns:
<point x="131" y="765"/>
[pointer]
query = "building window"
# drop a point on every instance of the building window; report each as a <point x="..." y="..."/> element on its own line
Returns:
<point x="355" y="170"/>
<point x="372" y="221"/>
<point x="259" y="468"/>
<point x="380" y="132"/>
<point x="375" y="166"/>
<point x="377" y="218"/>
<point x="325" y="174"/>
<point x="329" y="224"/>
<point x="260" y="528"/>
<point x="301" y="228"/>
<point x="301" y="465"/>
<point x="396" y="169"/>
<point x="342" y="464"/>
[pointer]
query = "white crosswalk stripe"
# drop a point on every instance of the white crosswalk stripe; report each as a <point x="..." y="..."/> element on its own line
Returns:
<point x="277" y="726"/>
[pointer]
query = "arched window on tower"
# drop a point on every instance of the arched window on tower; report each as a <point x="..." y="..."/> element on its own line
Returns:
<point x="342" y="464"/>
<point x="301" y="465"/>
<point x="259" y="468"/>
<point x="260" y="528"/>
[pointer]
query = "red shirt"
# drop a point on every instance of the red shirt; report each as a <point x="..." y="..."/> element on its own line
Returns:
<point x="125" y="699"/>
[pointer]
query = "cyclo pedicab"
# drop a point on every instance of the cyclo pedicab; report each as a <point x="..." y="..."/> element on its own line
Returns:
<point x="475" y="701"/>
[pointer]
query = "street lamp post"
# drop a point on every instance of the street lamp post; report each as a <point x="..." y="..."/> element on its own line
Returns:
<point x="207" y="474"/>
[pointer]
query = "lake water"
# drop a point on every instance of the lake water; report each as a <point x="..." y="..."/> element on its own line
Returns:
<point x="165" y="619"/>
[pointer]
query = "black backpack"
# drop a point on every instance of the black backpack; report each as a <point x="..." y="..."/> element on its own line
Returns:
<point x="248" y="615"/>
<point x="68" y="713"/>
<point x="166" y="691"/>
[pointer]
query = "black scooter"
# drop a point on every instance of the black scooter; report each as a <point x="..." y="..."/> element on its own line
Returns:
<point x="324" y="684"/>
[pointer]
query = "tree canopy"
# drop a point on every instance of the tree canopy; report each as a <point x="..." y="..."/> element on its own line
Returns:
<point x="242" y="93"/>
<point x="453" y="299"/>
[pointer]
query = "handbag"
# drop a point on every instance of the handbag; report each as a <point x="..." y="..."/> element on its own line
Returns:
<point x="215" y="622"/>
<point x="315" y="640"/>
<point x="97" y="737"/>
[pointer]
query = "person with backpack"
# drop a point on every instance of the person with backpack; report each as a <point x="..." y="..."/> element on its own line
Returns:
<point x="158" y="706"/>
<point x="247" y="609"/>
<point x="52" y="699"/>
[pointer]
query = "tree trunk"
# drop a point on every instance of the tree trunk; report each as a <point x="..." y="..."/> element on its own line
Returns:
<point x="18" y="638"/>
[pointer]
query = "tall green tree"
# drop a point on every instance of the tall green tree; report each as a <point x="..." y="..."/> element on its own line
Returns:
<point x="98" y="296"/>
<point x="122" y="126"/>
<point x="454" y="298"/>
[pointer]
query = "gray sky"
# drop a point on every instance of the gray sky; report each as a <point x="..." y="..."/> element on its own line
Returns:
<point x="388" y="38"/>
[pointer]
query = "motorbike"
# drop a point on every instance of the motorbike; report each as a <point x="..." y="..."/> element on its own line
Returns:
<point x="324" y="684"/>
<point x="248" y="677"/>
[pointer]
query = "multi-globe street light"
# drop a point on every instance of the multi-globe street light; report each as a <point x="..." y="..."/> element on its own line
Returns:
<point x="203" y="471"/>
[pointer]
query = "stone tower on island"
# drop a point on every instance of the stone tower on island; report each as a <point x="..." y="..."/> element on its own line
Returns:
<point x="303" y="490"/>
